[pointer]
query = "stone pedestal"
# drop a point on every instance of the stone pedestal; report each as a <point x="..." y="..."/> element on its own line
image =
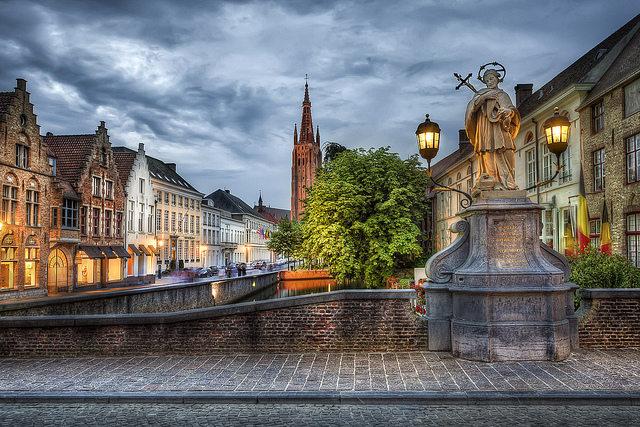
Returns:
<point x="499" y="293"/>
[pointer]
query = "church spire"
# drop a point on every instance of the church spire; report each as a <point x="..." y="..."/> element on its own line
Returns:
<point x="306" y="127"/>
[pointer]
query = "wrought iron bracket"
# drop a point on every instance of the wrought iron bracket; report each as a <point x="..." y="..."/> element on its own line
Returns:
<point x="464" y="203"/>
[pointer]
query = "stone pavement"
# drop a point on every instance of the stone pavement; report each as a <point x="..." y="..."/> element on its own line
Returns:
<point x="601" y="377"/>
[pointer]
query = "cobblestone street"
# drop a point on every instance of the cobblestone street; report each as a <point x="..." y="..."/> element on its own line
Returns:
<point x="76" y="414"/>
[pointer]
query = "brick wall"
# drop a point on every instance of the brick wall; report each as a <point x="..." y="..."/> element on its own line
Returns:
<point x="344" y="321"/>
<point x="609" y="318"/>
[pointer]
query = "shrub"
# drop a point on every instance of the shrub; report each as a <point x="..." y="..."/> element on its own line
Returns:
<point x="595" y="269"/>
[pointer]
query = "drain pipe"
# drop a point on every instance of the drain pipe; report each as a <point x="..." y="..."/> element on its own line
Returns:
<point x="535" y="136"/>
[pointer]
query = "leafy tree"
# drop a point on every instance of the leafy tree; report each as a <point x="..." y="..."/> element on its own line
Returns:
<point x="361" y="215"/>
<point x="331" y="150"/>
<point x="287" y="239"/>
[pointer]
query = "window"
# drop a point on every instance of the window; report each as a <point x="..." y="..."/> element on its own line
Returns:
<point x="180" y="201"/>
<point x="594" y="232"/>
<point x="9" y="204"/>
<point x="597" y="117"/>
<point x="33" y="208"/>
<point x="598" y="170"/>
<point x="547" y="165"/>
<point x="7" y="262"/>
<point x="191" y="230"/>
<point x="159" y="220"/>
<point x="565" y="159"/>
<point x="547" y="230"/>
<point x="141" y="182"/>
<point x="95" y="222"/>
<point x="159" y="197"/>
<point x="108" y="189"/>
<point x="632" y="98"/>
<point x="141" y="218"/>
<point x="53" y="163"/>
<point x="54" y="217"/>
<point x="186" y="223"/>
<point x="192" y="203"/>
<point x="633" y="159"/>
<point x="31" y="261"/>
<point x="150" y="220"/>
<point x="107" y="223"/>
<point x="83" y="220"/>
<point x="179" y="223"/>
<point x="531" y="168"/>
<point x="197" y="205"/>
<point x="69" y="213"/>
<point x="166" y="220"/>
<point x="179" y="249"/>
<point x="173" y="222"/>
<point x="633" y="237"/>
<point x="166" y="198"/>
<point x="173" y="200"/>
<point x="96" y="186"/>
<point x="197" y="225"/>
<point x="22" y="156"/>
<point x="132" y="207"/>
<point x="118" y="224"/>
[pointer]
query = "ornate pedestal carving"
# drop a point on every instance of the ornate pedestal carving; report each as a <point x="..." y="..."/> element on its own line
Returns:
<point x="497" y="293"/>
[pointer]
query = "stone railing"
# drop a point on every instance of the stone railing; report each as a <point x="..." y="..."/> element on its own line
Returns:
<point x="342" y="321"/>
<point x="609" y="318"/>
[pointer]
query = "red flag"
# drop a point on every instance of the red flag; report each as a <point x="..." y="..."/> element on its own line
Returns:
<point x="605" y="232"/>
<point x="582" y="222"/>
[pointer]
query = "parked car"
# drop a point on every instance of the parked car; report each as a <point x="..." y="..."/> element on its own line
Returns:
<point x="205" y="272"/>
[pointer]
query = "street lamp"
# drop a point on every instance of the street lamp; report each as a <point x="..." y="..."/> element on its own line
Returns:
<point x="556" y="132"/>
<point x="428" y="135"/>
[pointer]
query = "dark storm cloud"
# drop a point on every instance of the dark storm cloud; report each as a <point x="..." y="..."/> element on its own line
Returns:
<point x="222" y="82"/>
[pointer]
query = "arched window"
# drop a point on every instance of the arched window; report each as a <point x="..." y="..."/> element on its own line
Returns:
<point x="9" y="199"/>
<point x="57" y="271"/>
<point x="8" y="258"/>
<point x="31" y="261"/>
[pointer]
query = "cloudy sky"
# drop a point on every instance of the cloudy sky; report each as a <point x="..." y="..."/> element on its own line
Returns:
<point x="217" y="86"/>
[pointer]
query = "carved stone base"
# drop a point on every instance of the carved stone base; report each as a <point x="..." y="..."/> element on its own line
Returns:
<point x="509" y="299"/>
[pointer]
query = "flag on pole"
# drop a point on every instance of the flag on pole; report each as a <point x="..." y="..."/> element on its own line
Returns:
<point x="582" y="222"/>
<point x="605" y="232"/>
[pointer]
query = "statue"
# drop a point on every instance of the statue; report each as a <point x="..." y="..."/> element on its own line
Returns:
<point x="492" y="123"/>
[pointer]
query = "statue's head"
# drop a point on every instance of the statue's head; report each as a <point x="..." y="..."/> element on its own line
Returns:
<point x="491" y="82"/>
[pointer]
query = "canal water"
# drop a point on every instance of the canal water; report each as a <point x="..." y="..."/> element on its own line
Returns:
<point x="292" y="288"/>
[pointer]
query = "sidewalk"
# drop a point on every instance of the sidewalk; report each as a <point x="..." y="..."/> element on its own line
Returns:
<point x="595" y="377"/>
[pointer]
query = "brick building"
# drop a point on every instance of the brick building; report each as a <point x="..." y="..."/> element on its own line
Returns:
<point x="610" y="131"/>
<point x="27" y="188"/>
<point x="306" y="157"/>
<point x="87" y="163"/>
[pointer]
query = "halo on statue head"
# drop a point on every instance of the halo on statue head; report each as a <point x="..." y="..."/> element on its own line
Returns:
<point x="499" y="69"/>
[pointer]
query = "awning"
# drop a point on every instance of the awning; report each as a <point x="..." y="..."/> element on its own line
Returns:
<point x="91" y="251"/>
<point x="120" y="251"/>
<point x="134" y="249"/>
<point x="108" y="252"/>
<point x="144" y="249"/>
<point x="152" y="249"/>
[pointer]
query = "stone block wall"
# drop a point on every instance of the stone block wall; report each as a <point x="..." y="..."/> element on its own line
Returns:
<point x="609" y="318"/>
<point x="343" y="321"/>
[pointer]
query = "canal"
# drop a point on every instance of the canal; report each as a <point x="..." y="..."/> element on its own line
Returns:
<point x="292" y="288"/>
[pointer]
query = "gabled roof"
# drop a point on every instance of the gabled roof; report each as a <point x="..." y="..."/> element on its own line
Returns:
<point x="72" y="153"/>
<point x="226" y="201"/>
<point x="443" y="165"/>
<point x="578" y="72"/>
<point x="124" y="158"/>
<point x="624" y="68"/>
<point x="166" y="172"/>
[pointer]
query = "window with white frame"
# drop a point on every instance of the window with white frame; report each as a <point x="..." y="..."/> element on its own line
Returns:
<point x="33" y="206"/>
<point x="633" y="238"/>
<point x="531" y="167"/>
<point x="633" y="159"/>
<point x="565" y="172"/>
<point x="598" y="170"/>
<point x="594" y="232"/>
<point x="95" y="186"/>
<point x="108" y="189"/>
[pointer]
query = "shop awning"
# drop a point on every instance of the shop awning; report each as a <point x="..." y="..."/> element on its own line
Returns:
<point x="153" y="249"/>
<point x="134" y="249"/>
<point x="106" y="250"/>
<point x="120" y="251"/>
<point x="144" y="249"/>
<point x="91" y="251"/>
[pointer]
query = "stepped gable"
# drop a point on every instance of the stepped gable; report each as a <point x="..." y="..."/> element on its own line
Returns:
<point x="124" y="158"/>
<point x="72" y="153"/>
<point x="166" y="172"/>
<point x="578" y="72"/>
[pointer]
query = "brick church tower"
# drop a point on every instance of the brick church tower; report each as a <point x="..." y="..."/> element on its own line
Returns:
<point x="307" y="156"/>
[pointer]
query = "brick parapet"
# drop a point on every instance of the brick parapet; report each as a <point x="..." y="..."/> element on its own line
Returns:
<point x="342" y="321"/>
<point x="609" y="318"/>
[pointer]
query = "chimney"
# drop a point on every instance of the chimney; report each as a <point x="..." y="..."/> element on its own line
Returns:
<point x="171" y="166"/>
<point x="463" y="139"/>
<point x="141" y="147"/>
<point x="523" y="90"/>
<point x="227" y="191"/>
<point x="22" y="84"/>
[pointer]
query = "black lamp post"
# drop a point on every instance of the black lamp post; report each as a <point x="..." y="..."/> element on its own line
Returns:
<point x="556" y="131"/>
<point x="428" y="135"/>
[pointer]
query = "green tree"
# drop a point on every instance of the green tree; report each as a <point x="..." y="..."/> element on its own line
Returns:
<point x="331" y="150"/>
<point x="287" y="239"/>
<point x="361" y="215"/>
